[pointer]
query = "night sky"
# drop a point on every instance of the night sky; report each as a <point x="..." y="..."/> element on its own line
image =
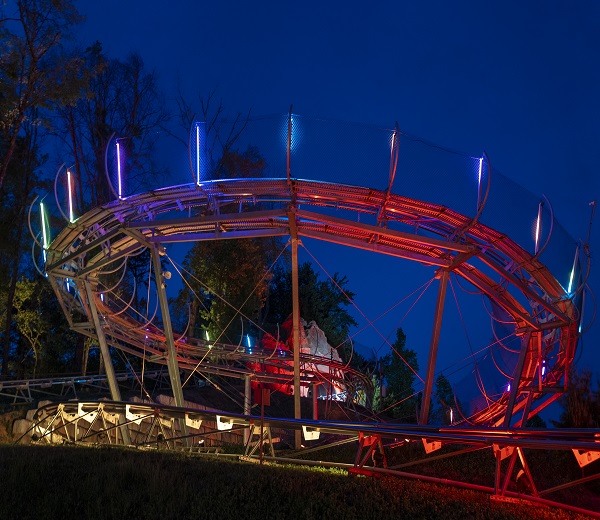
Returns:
<point x="520" y="80"/>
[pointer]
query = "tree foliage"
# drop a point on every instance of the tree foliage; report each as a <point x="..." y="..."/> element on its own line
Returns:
<point x="323" y="301"/>
<point x="580" y="403"/>
<point x="443" y="409"/>
<point x="45" y="340"/>
<point x="229" y="282"/>
<point x="399" y="367"/>
<point x="34" y="75"/>
<point x="122" y="100"/>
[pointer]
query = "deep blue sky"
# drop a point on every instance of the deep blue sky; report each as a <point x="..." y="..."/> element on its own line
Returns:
<point x="520" y="80"/>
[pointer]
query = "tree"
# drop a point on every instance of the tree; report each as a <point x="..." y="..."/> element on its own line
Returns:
<point x="20" y="183"/>
<point x="43" y="333"/>
<point x="33" y="75"/>
<point x="581" y="405"/>
<point x="229" y="278"/>
<point x="321" y="301"/>
<point x="443" y="409"/>
<point x="122" y="100"/>
<point x="399" y="369"/>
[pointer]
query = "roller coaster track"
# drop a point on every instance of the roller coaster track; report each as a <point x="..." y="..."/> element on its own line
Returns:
<point x="354" y="216"/>
<point x="98" y="422"/>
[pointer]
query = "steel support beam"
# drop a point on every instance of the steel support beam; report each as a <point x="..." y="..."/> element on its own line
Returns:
<point x="108" y="365"/>
<point x="172" y="363"/>
<point x="516" y="382"/>
<point x="295" y="323"/>
<point x="315" y="395"/>
<point x="433" y="347"/>
<point x="247" y="405"/>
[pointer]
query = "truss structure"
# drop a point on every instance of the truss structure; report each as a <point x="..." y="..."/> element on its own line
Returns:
<point x="359" y="217"/>
<point x="159" y="426"/>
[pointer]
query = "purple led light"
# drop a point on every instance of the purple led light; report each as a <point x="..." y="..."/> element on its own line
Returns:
<point x="119" y="169"/>
<point x="197" y="153"/>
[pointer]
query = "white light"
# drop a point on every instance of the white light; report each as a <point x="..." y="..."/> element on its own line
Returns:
<point x="451" y="415"/>
<point x="480" y="168"/>
<point x="508" y="387"/>
<point x="538" y="226"/>
<point x="573" y="270"/>
<point x="119" y="169"/>
<point x="44" y="233"/>
<point x="71" y="219"/>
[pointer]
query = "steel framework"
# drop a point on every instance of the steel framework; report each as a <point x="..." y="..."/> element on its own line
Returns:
<point x="244" y="208"/>
<point x="516" y="281"/>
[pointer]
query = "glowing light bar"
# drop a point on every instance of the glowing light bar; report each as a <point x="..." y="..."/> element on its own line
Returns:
<point x="197" y="153"/>
<point x="44" y="232"/>
<point x="479" y="175"/>
<point x="572" y="276"/>
<point x="70" y="188"/>
<point x="508" y="387"/>
<point x="538" y="228"/>
<point x="119" y="169"/>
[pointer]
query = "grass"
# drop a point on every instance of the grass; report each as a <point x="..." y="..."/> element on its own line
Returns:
<point x="115" y="483"/>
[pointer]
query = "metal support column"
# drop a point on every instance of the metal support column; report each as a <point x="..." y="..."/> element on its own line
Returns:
<point x="315" y="394"/>
<point x="247" y="405"/>
<point x="433" y="347"/>
<point x="115" y="393"/>
<point x="296" y="330"/>
<point x="295" y="302"/>
<point x="172" y="363"/>
<point x="516" y="381"/>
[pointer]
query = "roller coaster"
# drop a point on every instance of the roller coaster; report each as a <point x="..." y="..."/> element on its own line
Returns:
<point x="545" y="317"/>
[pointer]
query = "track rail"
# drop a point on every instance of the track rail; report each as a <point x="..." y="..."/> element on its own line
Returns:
<point x="388" y="224"/>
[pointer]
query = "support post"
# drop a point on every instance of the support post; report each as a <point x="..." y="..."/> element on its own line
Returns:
<point x="433" y="347"/>
<point x="115" y="393"/>
<point x="514" y="388"/>
<point x="296" y="330"/>
<point x="315" y="393"/>
<point x="247" y="405"/>
<point x="172" y="363"/>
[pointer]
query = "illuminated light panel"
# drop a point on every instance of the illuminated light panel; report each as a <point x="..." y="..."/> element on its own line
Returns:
<point x="70" y="188"/>
<point x="479" y="175"/>
<point x="119" y="169"/>
<point x="572" y="276"/>
<point x="44" y="232"/>
<point x="198" y="153"/>
<point x="538" y="228"/>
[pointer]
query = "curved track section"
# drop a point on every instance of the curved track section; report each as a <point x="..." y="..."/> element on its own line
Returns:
<point x="359" y="217"/>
